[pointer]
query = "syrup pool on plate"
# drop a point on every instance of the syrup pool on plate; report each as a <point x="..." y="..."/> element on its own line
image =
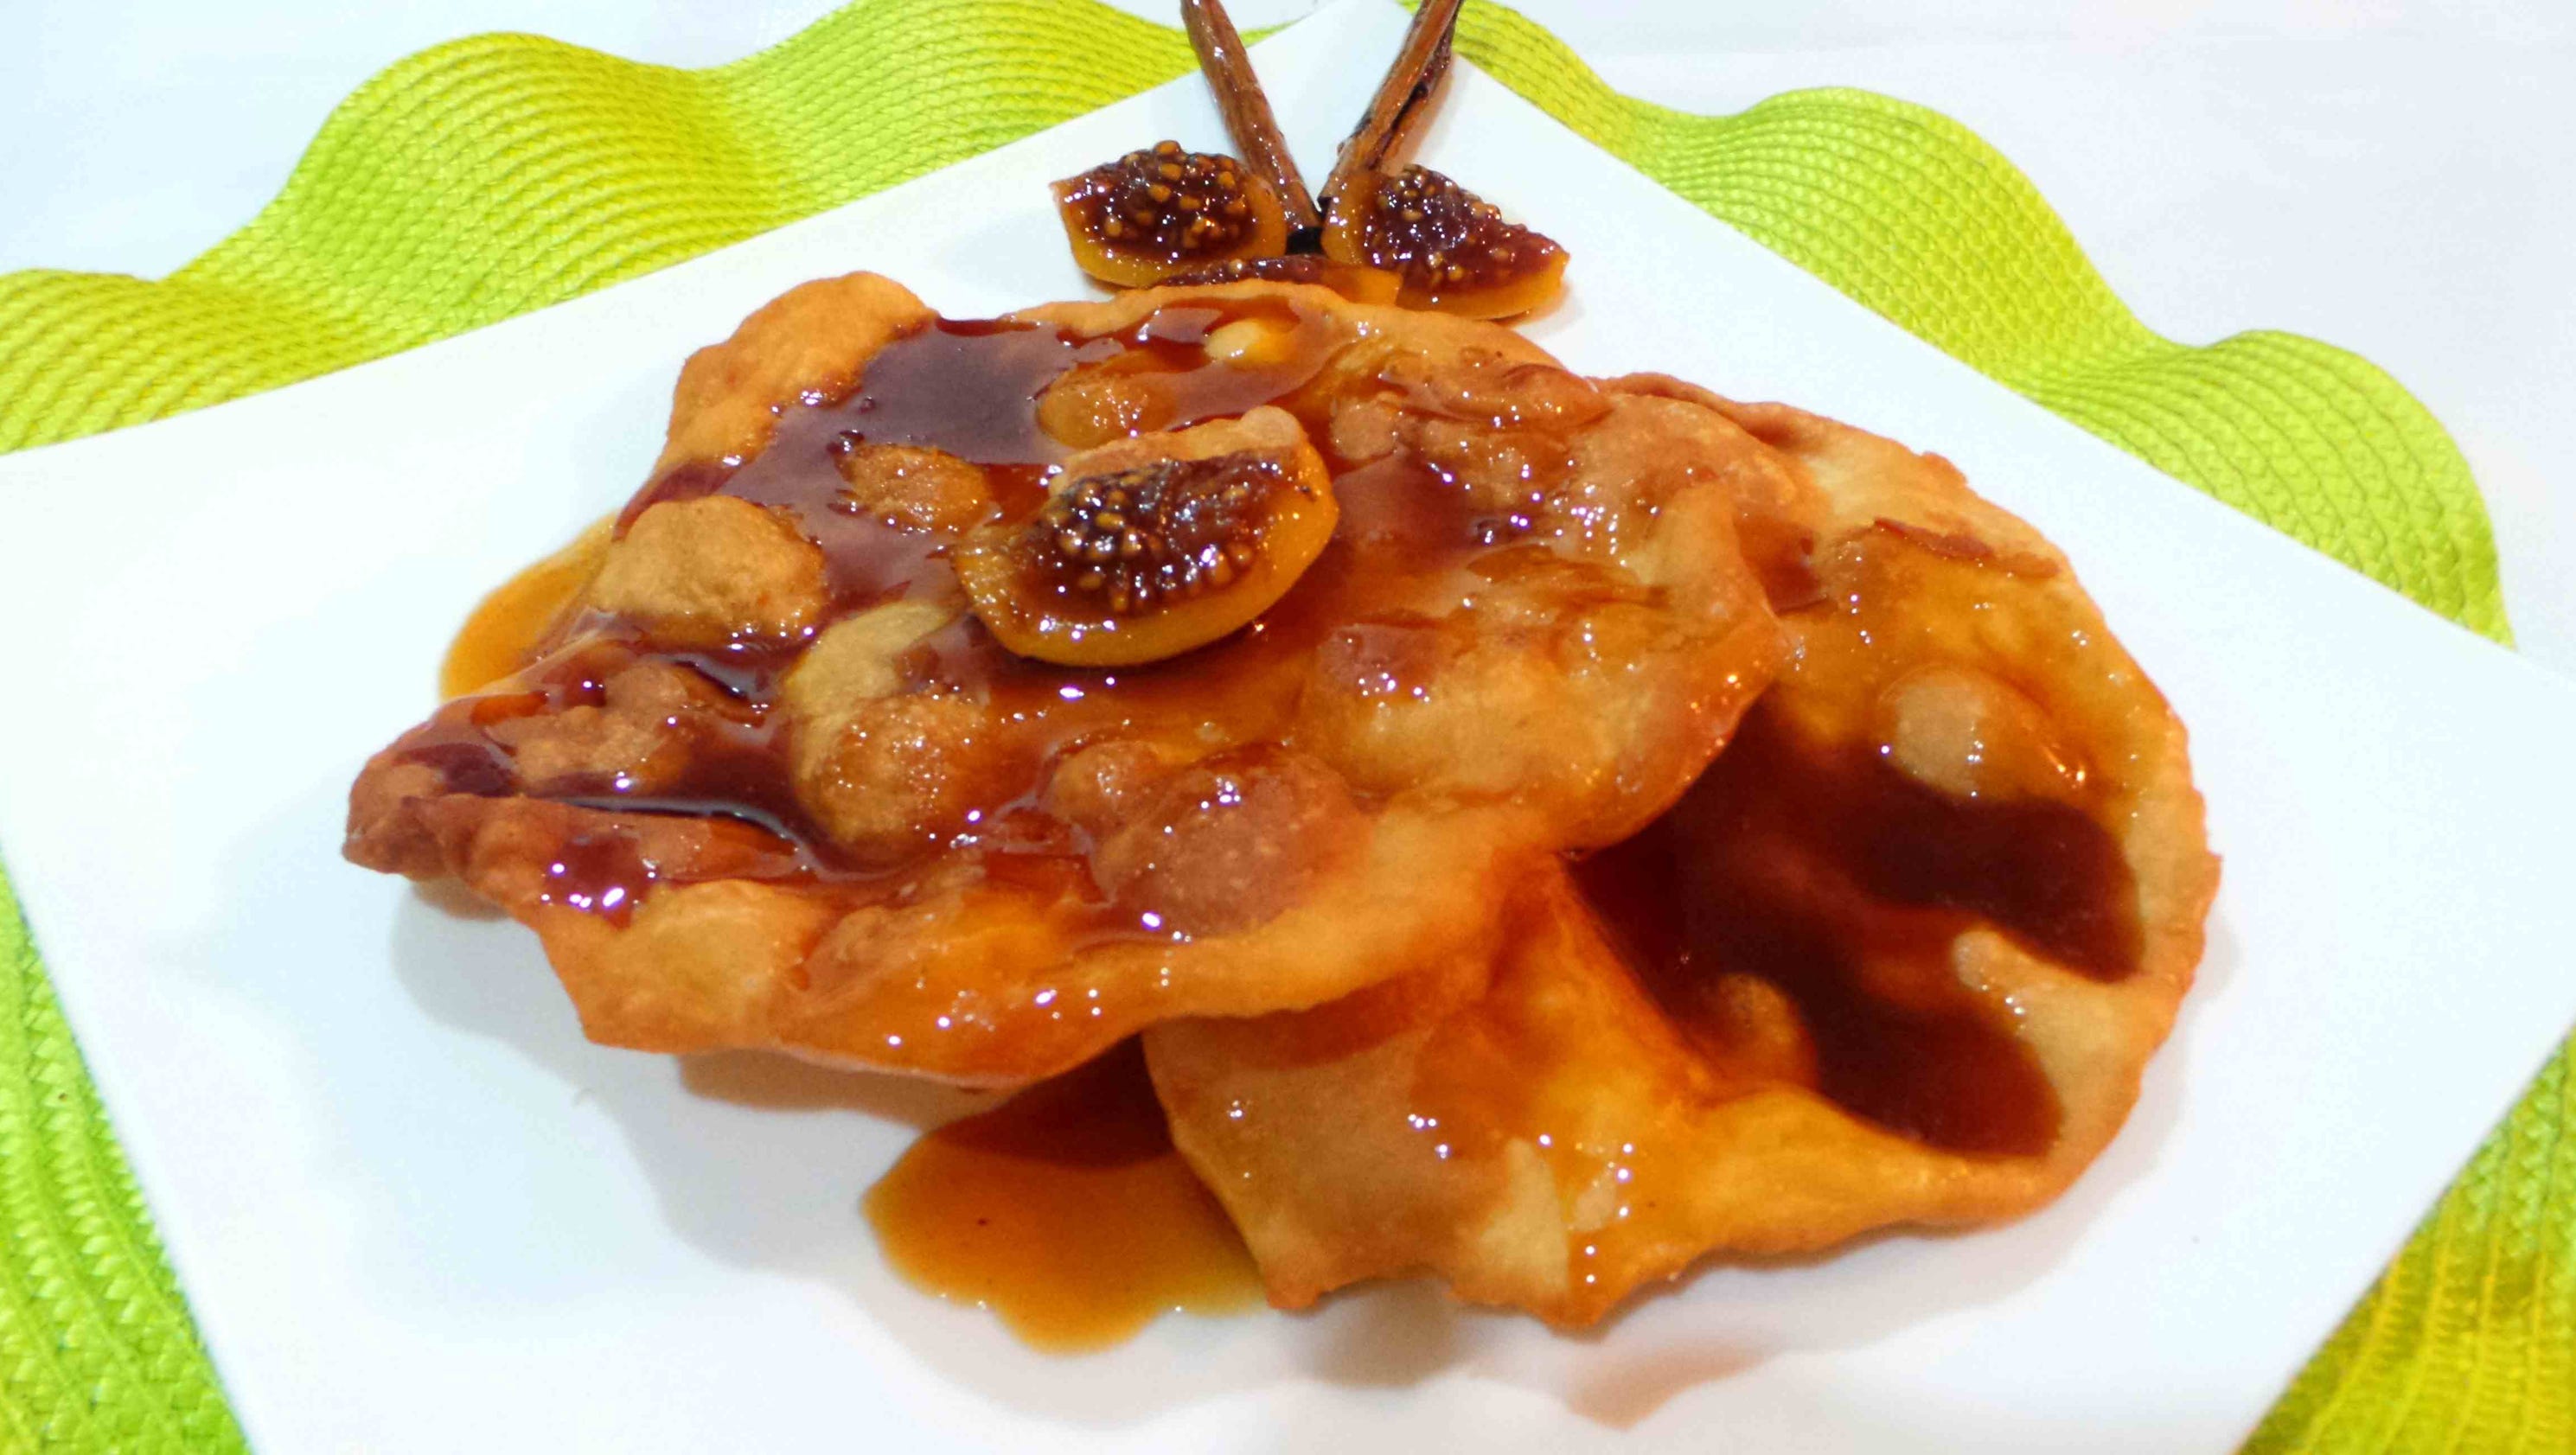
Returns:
<point x="1065" y="1211"/>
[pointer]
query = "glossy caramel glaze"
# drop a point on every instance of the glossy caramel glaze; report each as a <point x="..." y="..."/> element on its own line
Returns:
<point x="1815" y="856"/>
<point x="1065" y="1211"/>
<point x="1831" y="876"/>
<point x="782" y="721"/>
<point x="1896" y="958"/>
<point x="1921" y="779"/>
<point x="964" y="388"/>
<point x="968" y="389"/>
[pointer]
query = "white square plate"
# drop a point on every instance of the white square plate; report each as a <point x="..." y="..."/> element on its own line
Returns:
<point x="416" y="1211"/>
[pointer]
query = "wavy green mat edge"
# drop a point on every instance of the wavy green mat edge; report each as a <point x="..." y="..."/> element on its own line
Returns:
<point x="497" y="174"/>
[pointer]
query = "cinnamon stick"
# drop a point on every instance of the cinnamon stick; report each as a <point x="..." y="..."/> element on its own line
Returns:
<point x="1247" y="111"/>
<point x="1403" y="100"/>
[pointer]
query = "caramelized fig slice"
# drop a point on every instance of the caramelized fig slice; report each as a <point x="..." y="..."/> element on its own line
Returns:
<point x="1150" y="214"/>
<point x="1148" y="547"/>
<point x="1453" y="250"/>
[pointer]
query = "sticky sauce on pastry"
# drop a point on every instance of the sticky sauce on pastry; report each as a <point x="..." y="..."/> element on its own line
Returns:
<point x="1841" y="885"/>
<point x="774" y="752"/>
<point x="783" y="780"/>
<point x="1895" y="959"/>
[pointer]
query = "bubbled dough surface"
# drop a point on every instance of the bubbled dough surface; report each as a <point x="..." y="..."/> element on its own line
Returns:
<point x="1353" y="853"/>
<point x="1400" y="1130"/>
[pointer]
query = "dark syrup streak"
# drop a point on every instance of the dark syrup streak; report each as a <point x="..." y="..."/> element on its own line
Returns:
<point x="1823" y="872"/>
<point x="971" y="389"/>
<point x="1845" y="884"/>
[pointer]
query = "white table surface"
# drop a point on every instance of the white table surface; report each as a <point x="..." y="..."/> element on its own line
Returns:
<point x="2395" y="176"/>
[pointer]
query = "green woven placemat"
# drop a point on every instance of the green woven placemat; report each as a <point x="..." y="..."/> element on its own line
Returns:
<point x="502" y="173"/>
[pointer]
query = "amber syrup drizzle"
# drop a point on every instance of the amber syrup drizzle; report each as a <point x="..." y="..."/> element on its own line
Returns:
<point x="1066" y="1212"/>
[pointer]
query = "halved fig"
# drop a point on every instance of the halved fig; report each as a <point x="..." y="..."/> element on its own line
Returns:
<point x="1452" y="250"/>
<point x="1353" y="281"/>
<point x="1151" y="214"/>
<point x="1148" y="547"/>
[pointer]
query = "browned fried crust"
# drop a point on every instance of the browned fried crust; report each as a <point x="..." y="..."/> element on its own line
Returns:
<point x="1342" y="837"/>
<point x="1543" y="1132"/>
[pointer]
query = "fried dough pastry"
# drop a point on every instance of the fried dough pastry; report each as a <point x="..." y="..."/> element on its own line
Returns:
<point x="774" y="779"/>
<point x="1899" y="956"/>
